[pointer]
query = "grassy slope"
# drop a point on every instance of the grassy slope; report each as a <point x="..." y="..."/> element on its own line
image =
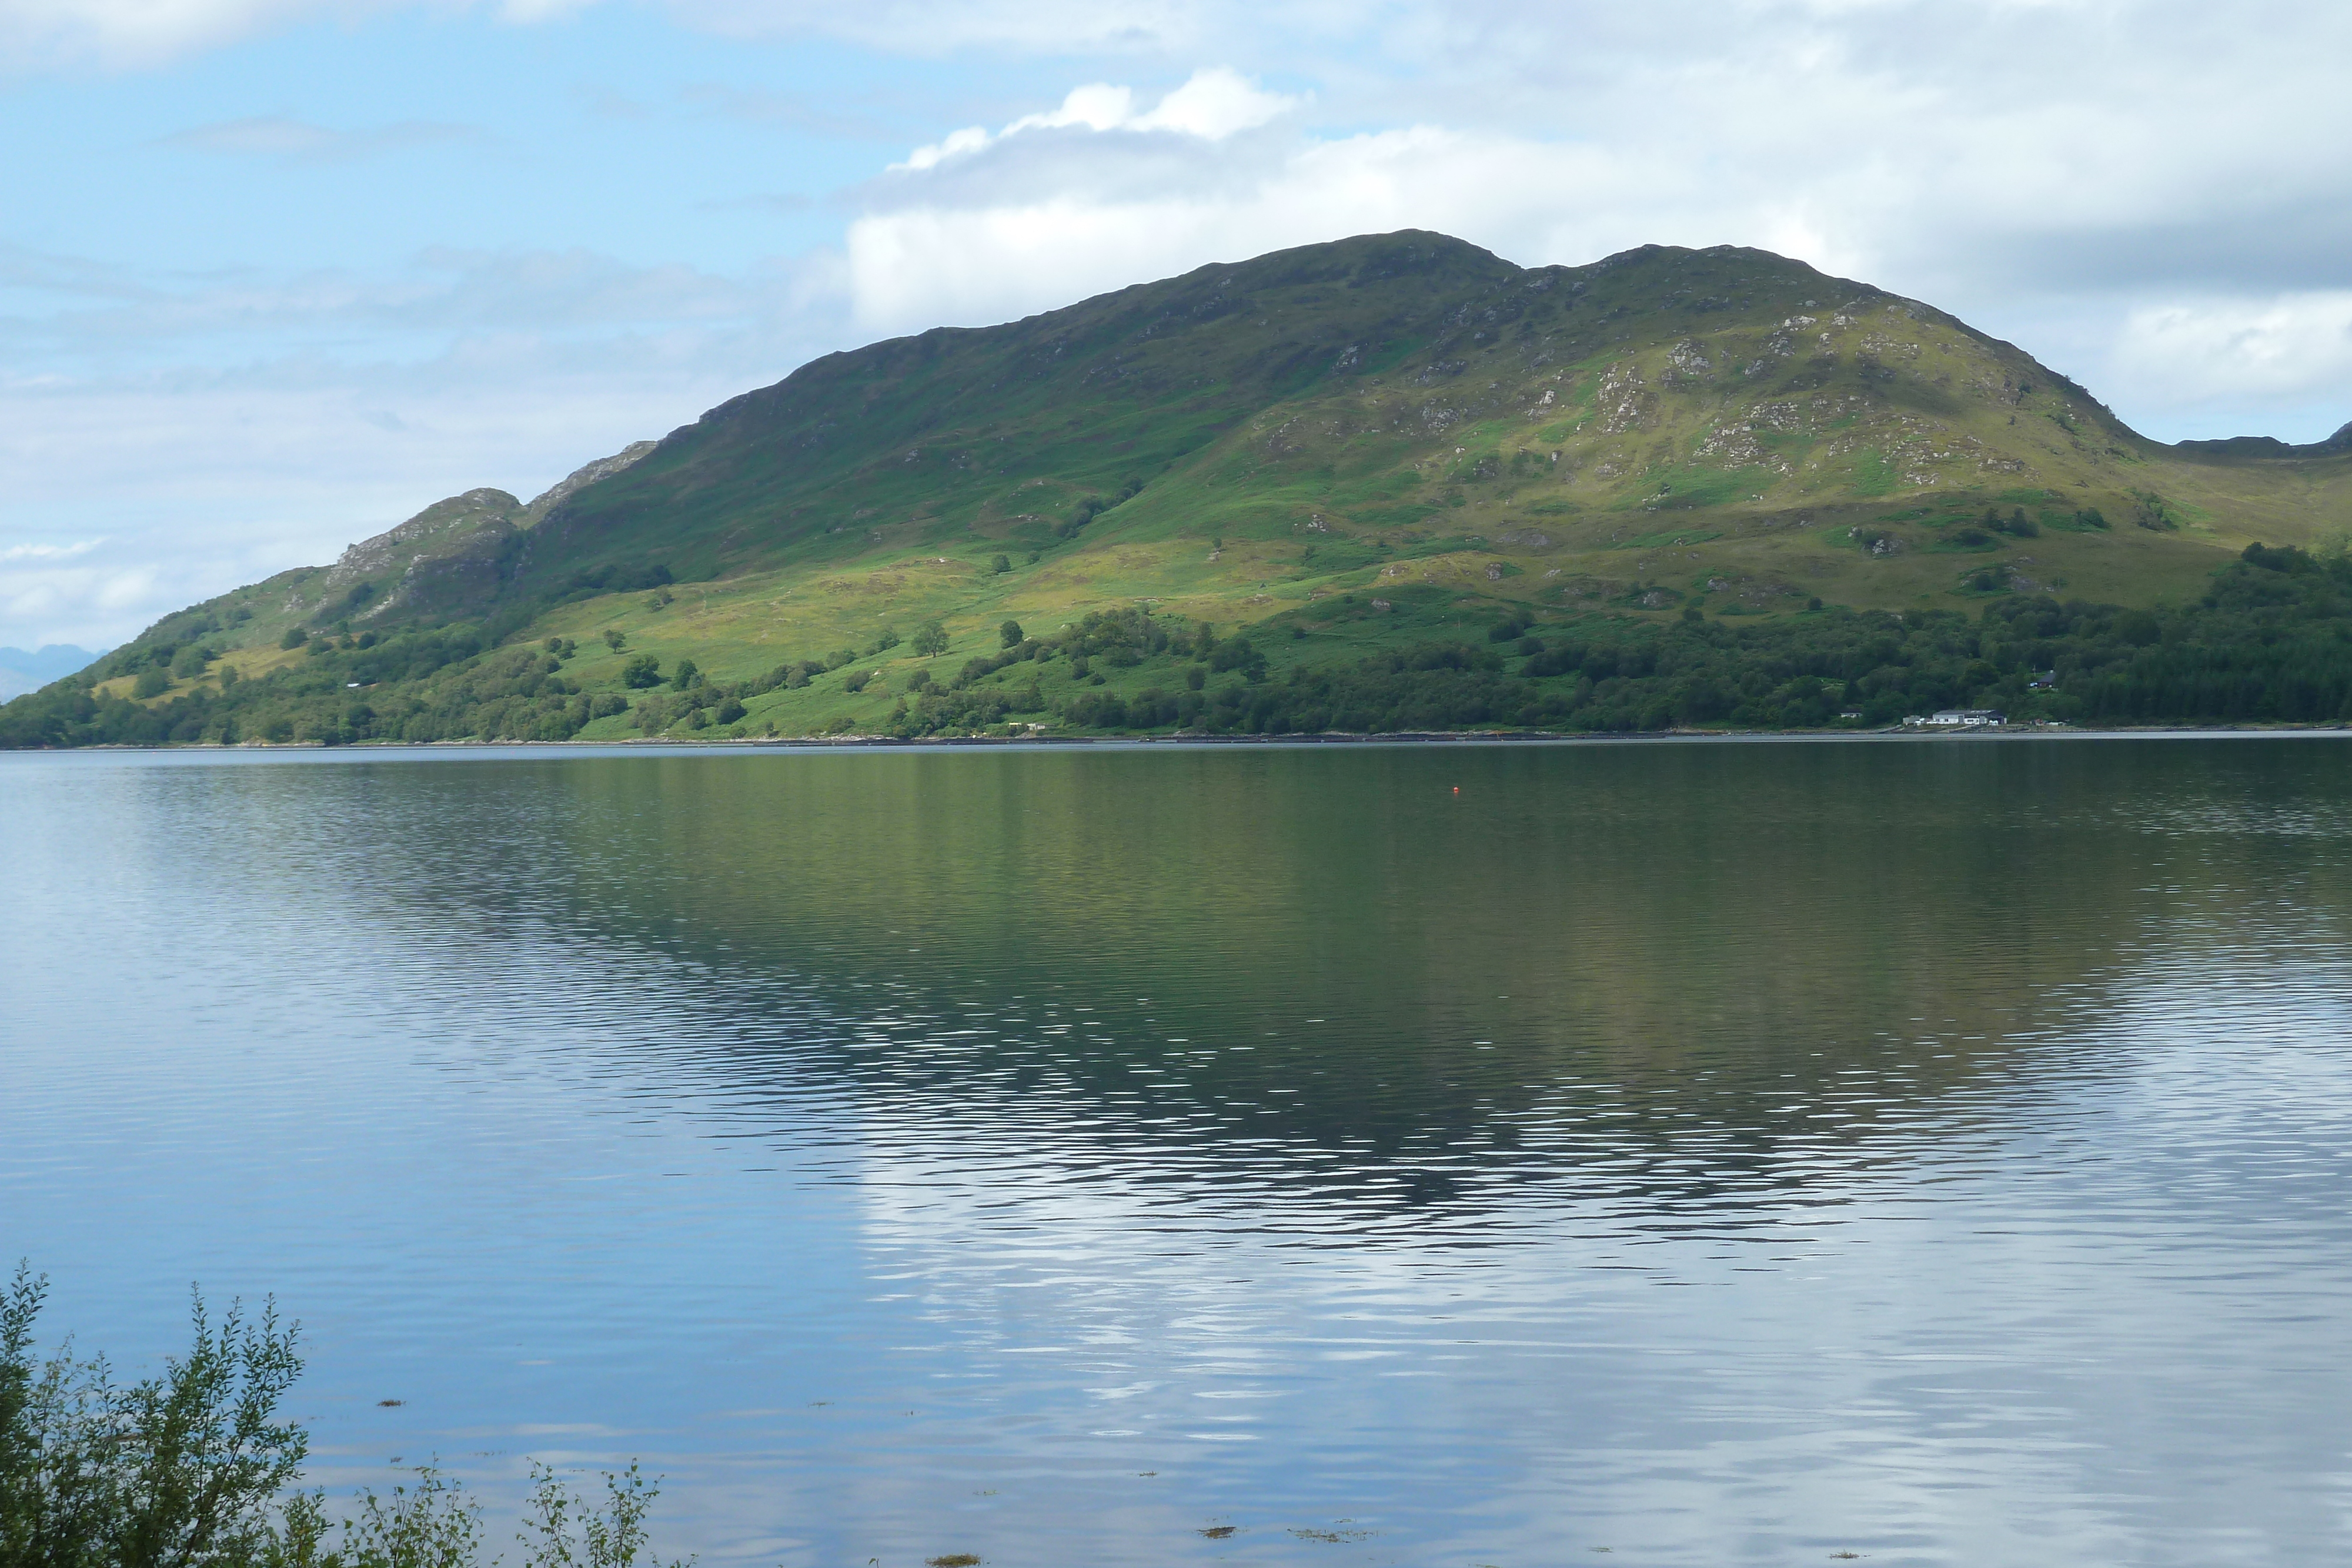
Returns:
<point x="1404" y="418"/>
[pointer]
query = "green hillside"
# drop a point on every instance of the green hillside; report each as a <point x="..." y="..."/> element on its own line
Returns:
<point x="1719" y="466"/>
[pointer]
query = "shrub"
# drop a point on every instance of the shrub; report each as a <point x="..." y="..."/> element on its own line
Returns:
<point x="154" y="682"/>
<point x="641" y="673"/>
<point x="2287" y="558"/>
<point x="1238" y="653"/>
<point x="195" y="1468"/>
<point x="180" y="1468"/>
<point x="1010" y="635"/>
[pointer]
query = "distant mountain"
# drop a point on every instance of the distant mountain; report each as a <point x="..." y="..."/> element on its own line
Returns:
<point x="2271" y="446"/>
<point x="21" y="672"/>
<point x="1398" y="420"/>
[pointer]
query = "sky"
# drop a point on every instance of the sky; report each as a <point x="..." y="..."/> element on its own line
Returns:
<point x="277" y="274"/>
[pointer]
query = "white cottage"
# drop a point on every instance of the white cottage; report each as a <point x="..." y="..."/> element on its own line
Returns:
<point x="1961" y="718"/>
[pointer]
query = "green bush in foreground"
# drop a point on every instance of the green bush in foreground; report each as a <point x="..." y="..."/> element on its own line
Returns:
<point x="195" y="1468"/>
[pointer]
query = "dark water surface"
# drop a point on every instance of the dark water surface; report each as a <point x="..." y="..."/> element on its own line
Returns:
<point x="1716" y="1154"/>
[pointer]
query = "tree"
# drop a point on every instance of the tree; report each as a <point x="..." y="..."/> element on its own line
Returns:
<point x="931" y="640"/>
<point x="295" y="637"/>
<point x="641" y="672"/>
<point x="1001" y="565"/>
<point x="615" y="640"/>
<point x="886" y="640"/>
<point x="688" y="675"/>
<point x="1010" y="634"/>
<point x="154" y="682"/>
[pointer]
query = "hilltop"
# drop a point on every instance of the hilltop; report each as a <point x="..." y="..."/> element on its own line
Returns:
<point x="1369" y="445"/>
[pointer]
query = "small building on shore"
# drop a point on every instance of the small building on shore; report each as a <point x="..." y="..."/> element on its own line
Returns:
<point x="1961" y="718"/>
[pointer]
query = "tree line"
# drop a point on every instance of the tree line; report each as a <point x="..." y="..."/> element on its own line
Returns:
<point x="2269" y="641"/>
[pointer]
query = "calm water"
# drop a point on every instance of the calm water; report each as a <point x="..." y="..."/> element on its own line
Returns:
<point x="1716" y="1153"/>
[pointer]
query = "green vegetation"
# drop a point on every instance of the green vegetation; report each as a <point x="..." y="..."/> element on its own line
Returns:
<point x="1403" y="426"/>
<point x="196" y="1469"/>
<point x="2270" y="641"/>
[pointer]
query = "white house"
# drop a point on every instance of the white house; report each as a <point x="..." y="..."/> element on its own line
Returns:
<point x="1960" y="717"/>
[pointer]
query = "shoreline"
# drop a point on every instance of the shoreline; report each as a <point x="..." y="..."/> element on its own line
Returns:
<point x="1895" y="734"/>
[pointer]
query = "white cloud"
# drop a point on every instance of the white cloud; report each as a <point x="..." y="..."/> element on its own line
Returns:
<point x="1213" y="104"/>
<point x="1533" y="201"/>
<point x="139" y="34"/>
<point x="340" y="405"/>
<point x="2287" y="347"/>
<point x="133" y="33"/>
<point x="48" y="553"/>
<point x="938" y="28"/>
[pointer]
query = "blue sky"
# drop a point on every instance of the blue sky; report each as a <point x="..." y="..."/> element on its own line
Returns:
<point x="276" y="274"/>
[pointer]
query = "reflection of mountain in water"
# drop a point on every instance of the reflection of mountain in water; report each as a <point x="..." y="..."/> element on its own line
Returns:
<point x="1664" y="977"/>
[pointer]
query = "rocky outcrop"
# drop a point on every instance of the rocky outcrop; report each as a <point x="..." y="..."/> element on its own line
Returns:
<point x="454" y="555"/>
<point x="447" y="557"/>
<point x="580" y="478"/>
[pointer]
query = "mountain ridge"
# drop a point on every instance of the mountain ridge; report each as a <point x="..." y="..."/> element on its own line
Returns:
<point x="1390" y="418"/>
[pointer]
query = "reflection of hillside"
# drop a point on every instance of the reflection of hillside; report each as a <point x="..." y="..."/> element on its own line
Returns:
<point x="1666" y="970"/>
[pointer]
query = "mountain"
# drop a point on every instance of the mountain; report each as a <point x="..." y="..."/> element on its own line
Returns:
<point x="21" y="672"/>
<point x="1403" y="421"/>
<point x="2271" y="447"/>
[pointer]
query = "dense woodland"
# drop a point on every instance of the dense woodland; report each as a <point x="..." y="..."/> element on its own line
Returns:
<point x="2269" y="642"/>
